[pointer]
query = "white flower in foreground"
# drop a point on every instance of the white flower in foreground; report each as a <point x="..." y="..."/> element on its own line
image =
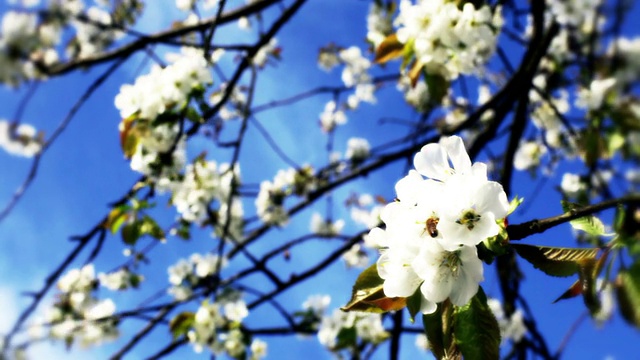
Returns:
<point x="433" y="159"/>
<point x="469" y="214"/>
<point x="448" y="274"/>
<point x="433" y="227"/>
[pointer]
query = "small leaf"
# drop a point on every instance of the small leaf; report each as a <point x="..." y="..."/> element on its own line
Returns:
<point x="433" y="329"/>
<point x="476" y="329"/>
<point x="414" y="73"/>
<point x="347" y="338"/>
<point x="513" y="205"/>
<point x="390" y="48"/>
<point x="587" y="279"/>
<point x="368" y="296"/>
<point x="438" y="87"/>
<point x="413" y="304"/>
<point x="116" y="218"/>
<point x="131" y="233"/>
<point x="628" y="293"/>
<point x="150" y="227"/>
<point x="584" y="282"/>
<point x="589" y="224"/>
<point x="555" y="261"/>
<point x="181" y="324"/>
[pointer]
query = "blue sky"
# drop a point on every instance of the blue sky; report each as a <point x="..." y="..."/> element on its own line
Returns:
<point x="85" y="170"/>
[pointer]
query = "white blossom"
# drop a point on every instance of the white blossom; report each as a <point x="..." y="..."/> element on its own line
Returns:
<point x="358" y="149"/>
<point x="19" y="139"/>
<point x="528" y="155"/>
<point x="593" y="97"/>
<point x="324" y="227"/>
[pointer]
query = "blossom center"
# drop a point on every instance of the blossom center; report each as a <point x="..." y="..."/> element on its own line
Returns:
<point x="469" y="218"/>
<point x="450" y="264"/>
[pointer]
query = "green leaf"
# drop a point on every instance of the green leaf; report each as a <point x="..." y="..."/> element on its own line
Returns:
<point x="368" y="296"/>
<point x="628" y="293"/>
<point x="131" y="233"/>
<point x="476" y="329"/>
<point x="150" y="227"/>
<point x="555" y="261"/>
<point x="433" y="329"/>
<point x="589" y="224"/>
<point x="181" y="324"/>
<point x="587" y="275"/>
<point x="347" y="338"/>
<point x="438" y="87"/>
<point x="513" y="205"/>
<point x="390" y="48"/>
<point x="413" y="304"/>
<point x="116" y="218"/>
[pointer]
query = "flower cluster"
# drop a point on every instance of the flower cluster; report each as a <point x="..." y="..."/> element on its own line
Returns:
<point x="226" y="313"/>
<point x="270" y="199"/>
<point x="204" y="182"/>
<point x="448" y="40"/>
<point x="77" y="314"/>
<point x="511" y="327"/>
<point x="19" y="139"/>
<point x="354" y="75"/>
<point x="187" y="274"/>
<point x="31" y="40"/>
<point x="358" y="150"/>
<point x="367" y="327"/>
<point x="339" y="330"/>
<point x="432" y="230"/>
<point x="325" y="227"/>
<point x="121" y="279"/>
<point x="165" y="89"/>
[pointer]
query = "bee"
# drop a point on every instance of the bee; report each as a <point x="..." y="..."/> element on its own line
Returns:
<point x="431" y="227"/>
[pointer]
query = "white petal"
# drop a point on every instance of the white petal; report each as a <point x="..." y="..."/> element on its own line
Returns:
<point x="427" y="306"/>
<point x="407" y="187"/>
<point x="432" y="162"/>
<point x="491" y="197"/>
<point x="457" y="153"/>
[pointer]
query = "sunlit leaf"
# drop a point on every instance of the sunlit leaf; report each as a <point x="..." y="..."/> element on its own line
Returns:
<point x="589" y="224"/>
<point x="513" y="205"/>
<point x="628" y="292"/>
<point x="577" y="287"/>
<point x="476" y="329"/>
<point x="555" y="261"/>
<point x="150" y="227"/>
<point x="181" y="323"/>
<point x="390" y="48"/>
<point x="367" y="294"/>
<point x="116" y="218"/>
<point x="414" y="73"/>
